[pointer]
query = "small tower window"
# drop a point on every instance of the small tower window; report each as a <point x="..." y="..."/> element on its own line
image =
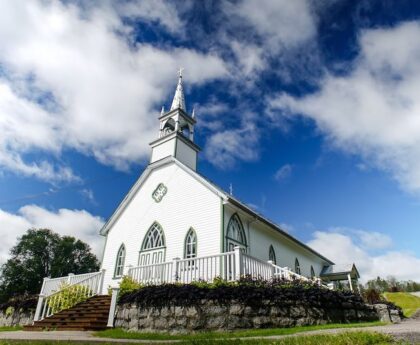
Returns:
<point x="169" y="126"/>
<point x="272" y="255"/>
<point x="297" y="266"/>
<point x="119" y="263"/>
<point x="190" y="250"/>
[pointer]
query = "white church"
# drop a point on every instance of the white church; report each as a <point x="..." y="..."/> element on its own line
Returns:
<point x="174" y="225"/>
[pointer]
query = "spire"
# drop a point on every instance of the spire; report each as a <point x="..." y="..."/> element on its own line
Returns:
<point x="179" y="99"/>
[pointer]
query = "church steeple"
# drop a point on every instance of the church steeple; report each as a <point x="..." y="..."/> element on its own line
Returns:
<point x="176" y="132"/>
<point x="179" y="98"/>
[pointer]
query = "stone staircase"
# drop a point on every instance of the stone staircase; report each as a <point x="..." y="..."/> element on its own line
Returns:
<point x="91" y="314"/>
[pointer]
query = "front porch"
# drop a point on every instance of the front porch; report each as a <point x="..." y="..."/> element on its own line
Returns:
<point x="230" y="266"/>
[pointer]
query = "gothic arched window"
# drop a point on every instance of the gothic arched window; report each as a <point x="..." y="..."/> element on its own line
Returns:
<point x="312" y="272"/>
<point x="235" y="235"/>
<point x="119" y="262"/>
<point x="297" y="266"/>
<point x="154" y="238"/>
<point x="190" y="248"/>
<point x="272" y="255"/>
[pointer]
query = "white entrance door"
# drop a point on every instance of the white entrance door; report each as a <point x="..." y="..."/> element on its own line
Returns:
<point x="151" y="257"/>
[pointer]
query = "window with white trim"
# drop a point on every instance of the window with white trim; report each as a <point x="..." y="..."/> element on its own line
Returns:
<point x="190" y="249"/>
<point x="297" y="266"/>
<point x="272" y="255"/>
<point x="154" y="238"/>
<point x="119" y="262"/>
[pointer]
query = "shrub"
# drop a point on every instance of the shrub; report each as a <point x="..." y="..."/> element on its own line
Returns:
<point x="128" y="285"/>
<point x="248" y="291"/>
<point x="68" y="296"/>
<point x="372" y="296"/>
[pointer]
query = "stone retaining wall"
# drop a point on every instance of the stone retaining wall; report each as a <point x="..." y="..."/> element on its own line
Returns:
<point x="11" y="317"/>
<point x="209" y="315"/>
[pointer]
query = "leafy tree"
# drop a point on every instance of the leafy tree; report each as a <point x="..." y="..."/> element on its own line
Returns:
<point x="42" y="253"/>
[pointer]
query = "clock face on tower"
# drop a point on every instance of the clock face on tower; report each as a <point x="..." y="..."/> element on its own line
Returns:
<point x="159" y="192"/>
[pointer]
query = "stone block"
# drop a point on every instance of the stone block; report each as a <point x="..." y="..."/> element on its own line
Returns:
<point x="191" y="312"/>
<point x="179" y="311"/>
<point x="217" y="322"/>
<point x="236" y="309"/>
<point x="297" y="312"/>
<point x="160" y="323"/>
<point x="261" y="321"/>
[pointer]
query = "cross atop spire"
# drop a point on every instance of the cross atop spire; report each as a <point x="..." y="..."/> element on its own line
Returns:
<point x="179" y="99"/>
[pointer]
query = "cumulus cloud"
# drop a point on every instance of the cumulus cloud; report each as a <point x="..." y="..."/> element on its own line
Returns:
<point x="74" y="79"/>
<point x="78" y="223"/>
<point x="346" y="248"/>
<point x="374" y="109"/>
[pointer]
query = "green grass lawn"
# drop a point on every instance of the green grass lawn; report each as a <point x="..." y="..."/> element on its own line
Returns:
<point x="408" y="302"/>
<point x="351" y="338"/>
<point x="118" y="333"/>
<point x="8" y="329"/>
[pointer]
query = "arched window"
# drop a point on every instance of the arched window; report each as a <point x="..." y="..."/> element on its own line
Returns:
<point x="312" y="272"/>
<point x="297" y="266"/>
<point x="272" y="255"/>
<point x="154" y="238"/>
<point x="119" y="262"/>
<point x="169" y="126"/>
<point x="190" y="249"/>
<point x="235" y="235"/>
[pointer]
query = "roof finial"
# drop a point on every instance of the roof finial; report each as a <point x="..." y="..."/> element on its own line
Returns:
<point x="193" y="113"/>
<point x="162" y="111"/>
<point x="179" y="99"/>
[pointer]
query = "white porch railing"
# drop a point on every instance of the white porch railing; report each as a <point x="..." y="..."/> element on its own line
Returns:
<point x="51" y="298"/>
<point x="227" y="266"/>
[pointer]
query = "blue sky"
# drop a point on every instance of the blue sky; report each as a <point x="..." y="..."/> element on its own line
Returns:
<point x="310" y="109"/>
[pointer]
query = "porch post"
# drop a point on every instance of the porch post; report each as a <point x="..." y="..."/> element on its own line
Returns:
<point x="350" y="283"/>
<point x="238" y="262"/>
<point x="69" y="278"/>
<point x="176" y="269"/>
<point x="273" y="270"/>
<point x="101" y="283"/>
<point x="39" y="307"/>
<point x="112" y="307"/>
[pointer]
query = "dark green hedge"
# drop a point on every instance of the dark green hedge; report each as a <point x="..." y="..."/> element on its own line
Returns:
<point x="247" y="291"/>
<point x="23" y="303"/>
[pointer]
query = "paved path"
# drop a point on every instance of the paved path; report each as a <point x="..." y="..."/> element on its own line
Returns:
<point x="416" y="293"/>
<point x="409" y="330"/>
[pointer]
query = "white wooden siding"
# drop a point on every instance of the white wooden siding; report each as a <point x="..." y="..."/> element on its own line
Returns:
<point x="188" y="203"/>
<point x="163" y="150"/>
<point x="186" y="154"/>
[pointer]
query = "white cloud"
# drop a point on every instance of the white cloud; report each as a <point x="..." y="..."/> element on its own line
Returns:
<point x="75" y="80"/>
<point x="283" y="172"/>
<point x="224" y="148"/>
<point x="272" y="28"/>
<point x="344" y="248"/>
<point x="374" y="110"/>
<point x="78" y="223"/>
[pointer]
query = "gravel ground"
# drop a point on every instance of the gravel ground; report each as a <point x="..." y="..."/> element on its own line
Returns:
<point x="408" y="330"/>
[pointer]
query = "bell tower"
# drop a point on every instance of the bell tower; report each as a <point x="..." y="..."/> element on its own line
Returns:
<point x="176" y="132"/>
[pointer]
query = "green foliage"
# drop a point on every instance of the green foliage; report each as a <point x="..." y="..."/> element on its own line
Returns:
<point x="391" y="284"/>
<point x="9" y="311"/>
<point x="128" y="285"/>
<point x="68" y="296"/>
<point x="10" y="328"/>
<point x="42" y="253"/>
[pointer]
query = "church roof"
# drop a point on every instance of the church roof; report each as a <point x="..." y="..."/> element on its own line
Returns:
<point x="340" y="270"/>
<point x="213" y="187"/>
<point x="179" y="98"/>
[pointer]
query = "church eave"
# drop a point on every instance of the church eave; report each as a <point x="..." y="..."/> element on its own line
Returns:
<point x="182" y="112"/>
<point x="179" y="136"/>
